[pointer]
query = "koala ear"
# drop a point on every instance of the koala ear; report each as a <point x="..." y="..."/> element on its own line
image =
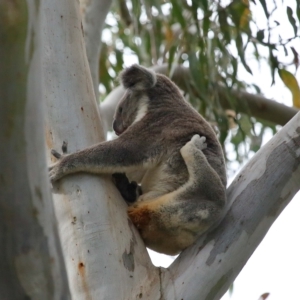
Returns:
<point x="138" y="78"/>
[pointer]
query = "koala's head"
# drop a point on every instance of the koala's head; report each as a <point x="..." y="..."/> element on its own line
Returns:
<point x="134" y="104"/>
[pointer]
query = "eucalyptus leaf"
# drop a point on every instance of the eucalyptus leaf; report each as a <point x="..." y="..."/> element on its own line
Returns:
<point x="292" y="20"/>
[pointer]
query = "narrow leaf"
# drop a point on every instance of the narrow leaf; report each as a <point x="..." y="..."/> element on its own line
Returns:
<point x="273" y="64"/>
<point x="196" y="72"/>
<point x="264" y="5"/>
<point x="224" y="26"/>
<point x="124" y="13"/>
<point x="246" y="16"/>
<point x="136" y="8"/>
<point x="177" y="13"/>
<point x="241" y="51"/>
<point x="206" y="23"/>
<point x="264" y="296"/>
<point x="292" y="20"/>
<point x="291" y="83"/>
<point x="296" y="57"/>
<point x="204" y="5"/>
<point x="172" y="52"/>
<point x="285" y="50"/>
<point x="230" y="290"/>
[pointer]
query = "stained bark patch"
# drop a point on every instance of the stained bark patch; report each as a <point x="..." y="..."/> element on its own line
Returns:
<point x="85" y="287"/>
<point x="128" y="258"/>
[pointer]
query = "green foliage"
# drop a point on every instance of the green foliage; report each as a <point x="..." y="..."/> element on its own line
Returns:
<point x="213" y="38"/>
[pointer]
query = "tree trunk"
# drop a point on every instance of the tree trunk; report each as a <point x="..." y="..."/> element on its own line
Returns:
<point x="105" y="257"/>
<point x="31" y="265"/>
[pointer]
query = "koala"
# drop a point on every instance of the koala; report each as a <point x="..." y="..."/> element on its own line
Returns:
<point x="167" y="147"/>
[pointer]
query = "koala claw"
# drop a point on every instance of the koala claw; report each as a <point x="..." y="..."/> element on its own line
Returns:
<point x="55" y="154"/>
<point x="64" y="147"/>
<point x="55" y="169"/>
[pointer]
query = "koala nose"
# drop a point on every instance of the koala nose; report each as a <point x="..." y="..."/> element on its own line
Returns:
<point x="115" y="127"/>
<point x="118" y="128"/>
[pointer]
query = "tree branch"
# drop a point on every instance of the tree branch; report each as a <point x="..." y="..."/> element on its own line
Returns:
<point x="258" y="106"/>
<point x="257" y="196"/>
<point x="94" y="12"/>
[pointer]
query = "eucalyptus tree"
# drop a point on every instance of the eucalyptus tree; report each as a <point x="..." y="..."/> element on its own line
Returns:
<point x="52" y="68"/>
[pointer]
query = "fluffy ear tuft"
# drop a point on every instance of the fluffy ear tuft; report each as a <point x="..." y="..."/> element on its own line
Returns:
<point x="138" y="78"/>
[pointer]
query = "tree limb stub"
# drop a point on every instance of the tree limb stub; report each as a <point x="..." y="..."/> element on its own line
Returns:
<point x="256" y="198"/>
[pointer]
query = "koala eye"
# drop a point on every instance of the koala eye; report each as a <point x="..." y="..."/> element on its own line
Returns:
<point x="120" y="109"/>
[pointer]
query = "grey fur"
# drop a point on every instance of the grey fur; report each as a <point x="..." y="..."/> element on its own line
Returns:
<point x="137" y="78"/>
<point x="171" y="151"/>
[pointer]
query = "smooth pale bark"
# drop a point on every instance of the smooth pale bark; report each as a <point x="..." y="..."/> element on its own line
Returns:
<point x="255" y="105"/>
<point x="94" y="14"/>
<point x="31" y="265"/>
<point x="105" y="257"/>
<point x="257" y="196"/>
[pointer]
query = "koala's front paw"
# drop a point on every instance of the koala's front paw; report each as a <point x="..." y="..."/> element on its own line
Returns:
<point x="56" y="170"/>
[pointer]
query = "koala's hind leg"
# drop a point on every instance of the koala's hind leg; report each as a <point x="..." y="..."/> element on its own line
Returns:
<point x="172" y="222"/>
<point x="203" y="179"/>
